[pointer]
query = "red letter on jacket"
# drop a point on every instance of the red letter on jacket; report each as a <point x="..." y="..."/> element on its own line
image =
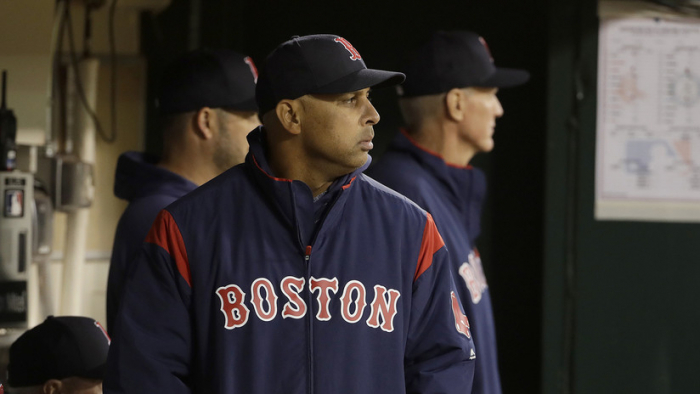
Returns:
<point x="323" y="285"/>
<point x="295" y="307"/>
<point x="346" y="301"/>
<point x="236" y="313"/>
<point x="385" y="307"/>
<point x="270" y="297"/>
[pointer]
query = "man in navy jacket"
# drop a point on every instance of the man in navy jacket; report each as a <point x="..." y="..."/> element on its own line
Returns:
<point x="207" y="106"/>
<point x="450" y="106"/>
<point x="294" y="272"/>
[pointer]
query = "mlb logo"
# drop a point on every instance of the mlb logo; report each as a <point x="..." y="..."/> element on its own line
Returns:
<point x="14" y="203"/>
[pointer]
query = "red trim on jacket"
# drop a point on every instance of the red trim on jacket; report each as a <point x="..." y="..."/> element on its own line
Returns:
<point x="349" y="183"/>
<point x="428" y="151"/>
<point x="431" y="243"/>
<point x="268" y="175"/>
<point x="166" y="234"/>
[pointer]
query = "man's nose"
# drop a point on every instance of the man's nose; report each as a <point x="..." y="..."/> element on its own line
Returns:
<point x="372" y="116"/>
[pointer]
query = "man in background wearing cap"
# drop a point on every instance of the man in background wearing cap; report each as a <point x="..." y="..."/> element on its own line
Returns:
<point x="207" y="107"/>
<point x="65" y="354"/>
<point x="450" y="107"/>
<point x="294" y="273"/>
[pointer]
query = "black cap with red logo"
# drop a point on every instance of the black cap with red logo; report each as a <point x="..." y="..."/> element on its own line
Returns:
<point x="316" y="64"/>
<point x="456" y="59"/>
<point x="58" y="348"/>
<point x="214" y="78"/>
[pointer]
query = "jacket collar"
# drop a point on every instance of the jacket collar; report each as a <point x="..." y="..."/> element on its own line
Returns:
<point x="454" y="178"/>
<point x="464" y="187"/>
<point x="138" y="176"/>
<point x="293" y="198"/>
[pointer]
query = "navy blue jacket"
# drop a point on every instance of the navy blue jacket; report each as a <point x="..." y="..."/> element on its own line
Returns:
<point x="454" y="196"/>
<point x="148" y="189"/>
<point x="237" y="290"/>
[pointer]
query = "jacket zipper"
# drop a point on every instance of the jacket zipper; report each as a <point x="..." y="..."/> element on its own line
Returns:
<point x="309" y="321"/>
<point x="307" y="262"/>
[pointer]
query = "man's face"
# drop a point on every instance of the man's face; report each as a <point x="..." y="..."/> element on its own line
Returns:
<point x="482" y="108"/>
<point x="231" y="145"/>
<point x="337" y="130"/>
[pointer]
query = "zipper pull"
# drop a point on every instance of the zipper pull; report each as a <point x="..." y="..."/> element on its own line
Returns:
<point x="307" y="256"/>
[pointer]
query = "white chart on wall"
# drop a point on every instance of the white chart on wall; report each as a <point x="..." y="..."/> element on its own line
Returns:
<point x="648" y="120"/>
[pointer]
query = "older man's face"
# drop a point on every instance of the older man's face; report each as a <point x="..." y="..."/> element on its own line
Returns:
<point x="482" y="109"/>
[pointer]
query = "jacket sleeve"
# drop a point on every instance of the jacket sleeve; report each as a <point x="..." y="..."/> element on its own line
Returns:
<point x="440" y="354"/>
<point x="151" y="349"/>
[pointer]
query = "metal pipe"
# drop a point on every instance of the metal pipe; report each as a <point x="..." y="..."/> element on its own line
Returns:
<point x="58" y="20"/>
<point x="77" y="221"/>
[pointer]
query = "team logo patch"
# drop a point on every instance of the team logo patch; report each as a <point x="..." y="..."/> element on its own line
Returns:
<point x="473" y="275"/>
<point x="14" y="203"/>
<point x="253" y="69"/>
<point x="461" y="321"/>
<point x="354" y="54"/>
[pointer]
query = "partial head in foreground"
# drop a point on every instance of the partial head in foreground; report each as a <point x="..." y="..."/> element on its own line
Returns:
<point x="65" y="354"/>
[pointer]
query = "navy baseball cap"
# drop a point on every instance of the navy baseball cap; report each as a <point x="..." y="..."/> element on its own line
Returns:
<point x="58" y="348"/>
<point x="317" y="64"/>
<point x="214" y="78"/>
<point x="456" y="59"/>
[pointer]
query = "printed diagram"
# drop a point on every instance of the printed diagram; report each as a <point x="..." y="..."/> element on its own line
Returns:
<point x="628" y="88"/>
<point x="642" y="156"/>
<point x="629" y="84"/>
<point x="682" y="98"/>
<point x="654" y="164"/>
<point x="648" y="128"/>
<point x="685" y="89"/>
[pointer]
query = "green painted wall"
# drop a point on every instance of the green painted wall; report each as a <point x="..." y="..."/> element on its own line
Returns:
<point x="620" y="298"/>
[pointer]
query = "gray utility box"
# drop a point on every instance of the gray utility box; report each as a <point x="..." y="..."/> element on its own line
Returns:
<point x="68" y="180"/>
<point x="17" y="193"/>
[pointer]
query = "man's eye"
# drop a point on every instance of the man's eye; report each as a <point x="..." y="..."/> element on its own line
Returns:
<point x="350" y="100"/>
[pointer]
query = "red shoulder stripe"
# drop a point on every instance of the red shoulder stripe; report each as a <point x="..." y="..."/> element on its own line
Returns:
<point x="166" y="234"/>
<point x="432" y="242"/>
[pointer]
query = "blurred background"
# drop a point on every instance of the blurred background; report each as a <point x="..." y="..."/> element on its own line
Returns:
<point x="582" y="305"/>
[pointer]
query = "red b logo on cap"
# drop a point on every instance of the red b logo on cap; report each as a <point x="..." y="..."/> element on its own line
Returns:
<point x="350" y="48"/>
<point x="253" y="69"/>
<point x="483" y="42"/>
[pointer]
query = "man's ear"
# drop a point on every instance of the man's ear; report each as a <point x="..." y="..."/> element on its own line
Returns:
<point x="204" y="121"/>
<point x="454" y="104"/>
<point x="52" y="386"/>
<point x="289" y="115"/>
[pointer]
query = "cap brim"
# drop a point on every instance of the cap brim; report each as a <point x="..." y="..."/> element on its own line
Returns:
<point x="361" y="79"/>
<point x="505" y="77"/>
